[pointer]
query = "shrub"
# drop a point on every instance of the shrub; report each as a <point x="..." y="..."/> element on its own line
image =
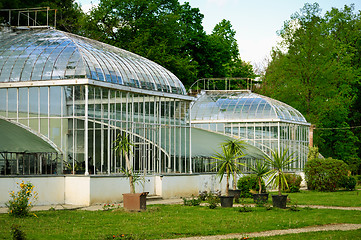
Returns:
<point x="192" y="202"/>
<point x="203" y="195"/>
<point x="324" y="174"/>
<point x="247" y="183"/>
<point x="213" y="201"/>
<point x="294" y="182"/>
<point x="20" y="203"/>
<point x="348" y="182"/>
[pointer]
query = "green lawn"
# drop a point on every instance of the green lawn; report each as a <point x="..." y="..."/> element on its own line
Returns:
<point x="168" y="221"/>
<point x="339" y="198"/>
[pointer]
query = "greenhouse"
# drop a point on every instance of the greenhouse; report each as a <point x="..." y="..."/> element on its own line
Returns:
<point x="74" y="96"/>
<point x="65" y="99"/>
<point x="262" y="122"/>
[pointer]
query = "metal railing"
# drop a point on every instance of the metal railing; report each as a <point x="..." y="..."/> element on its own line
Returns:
<point x="29" y="17"/>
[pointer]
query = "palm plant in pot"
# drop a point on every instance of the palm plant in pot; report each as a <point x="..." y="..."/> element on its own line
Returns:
<point x="236" y="146"/>
<point x="227" y="165"/>
<point x="260" y="169"/>
<point x="278" y="162"/>
<point x="132" y="200"/>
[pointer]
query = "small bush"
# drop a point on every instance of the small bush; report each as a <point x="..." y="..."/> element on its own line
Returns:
<point x="325" y="174"/>
<point x="20" y="202"/>
<point x="192" y="202"/>
<point x="348" y="182"/>
<point x="294" y="182"/>
<point x="213" y="201"/>
<point x="203" y="195"/>
<point x="247" y="183"/>
<point x="110" y="207"/>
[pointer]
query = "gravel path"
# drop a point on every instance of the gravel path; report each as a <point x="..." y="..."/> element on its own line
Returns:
<point x="330" y="207"/>
<point x="331" y="227"/>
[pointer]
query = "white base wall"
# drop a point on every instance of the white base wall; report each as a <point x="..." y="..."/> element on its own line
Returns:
<point x="87" y="190"/>
<point x="50" y="190"/>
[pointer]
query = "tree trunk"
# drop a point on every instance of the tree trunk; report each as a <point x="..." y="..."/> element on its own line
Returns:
<point x="131" y="183"/>
<point x="227" y="192"/>
<point x="235" y="176"/>
<point x="260" y="186"/>
<point x="279" y="184"/>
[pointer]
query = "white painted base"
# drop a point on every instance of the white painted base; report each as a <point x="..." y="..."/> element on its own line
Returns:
<point x="88" y="190"/>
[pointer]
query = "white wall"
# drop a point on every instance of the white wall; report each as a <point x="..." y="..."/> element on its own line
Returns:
<point x="50" y="189"/>
<point x="77" y="190"/>
<point x="87" y="190"/>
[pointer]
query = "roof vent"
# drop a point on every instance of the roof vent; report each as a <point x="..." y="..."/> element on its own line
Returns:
<point x="28" y="18"/>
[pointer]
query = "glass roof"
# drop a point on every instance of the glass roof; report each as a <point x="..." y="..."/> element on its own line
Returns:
<point x="49" y="54"/>
<point x="241" y="106"/>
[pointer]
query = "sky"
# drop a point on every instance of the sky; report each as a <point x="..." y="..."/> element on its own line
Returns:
<point x="256" y="22"/>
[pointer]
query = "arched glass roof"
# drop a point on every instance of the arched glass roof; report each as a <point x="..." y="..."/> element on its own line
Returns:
<point x="49" y="54"/>
<point x="241" y="106"/>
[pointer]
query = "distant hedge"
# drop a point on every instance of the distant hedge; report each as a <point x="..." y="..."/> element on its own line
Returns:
<point x="325" y="174"/>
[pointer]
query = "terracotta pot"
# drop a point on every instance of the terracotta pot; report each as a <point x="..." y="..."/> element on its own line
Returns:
<point x="135" y="201"/>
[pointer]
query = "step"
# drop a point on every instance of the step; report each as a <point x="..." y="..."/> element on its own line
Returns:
<point x="154" y="197"/>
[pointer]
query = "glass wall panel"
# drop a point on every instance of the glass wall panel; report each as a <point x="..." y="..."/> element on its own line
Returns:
<point x="12" y="100"/>
<point x="3" y="101"/>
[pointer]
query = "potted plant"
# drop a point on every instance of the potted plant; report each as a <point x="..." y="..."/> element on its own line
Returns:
<point x="132" y="200"/>
<point x="227" y="165"/>
<point x="278" y="162"/>
<point x="70" y="167"/>
<point x="260" y="169"/>
<point x="235" y="146"/>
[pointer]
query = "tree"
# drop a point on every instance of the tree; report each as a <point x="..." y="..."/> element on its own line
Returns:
<point x="260" y="169"/>
<point x="312" y="70"/>
<point x="278" y="162"/>
<point x="236" y="147"/>
<point x="123" y="146"/>
<point x="226" y="163"/>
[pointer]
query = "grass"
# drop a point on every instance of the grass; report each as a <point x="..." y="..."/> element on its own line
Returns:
<point x="339" y="198"/>
<point x="167" y="221"/>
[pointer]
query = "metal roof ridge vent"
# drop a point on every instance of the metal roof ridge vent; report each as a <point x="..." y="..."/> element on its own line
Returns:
<point x="28" y="18"/>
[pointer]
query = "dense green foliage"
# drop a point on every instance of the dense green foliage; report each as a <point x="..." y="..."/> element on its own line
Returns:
<point x="325" y="174"/>
<point x="293" y="181"/>
<point x="247" y="183"/>
<point x="168" y="221"/>
<point x="348" y="182"/>
<point x="316" y="69"/>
